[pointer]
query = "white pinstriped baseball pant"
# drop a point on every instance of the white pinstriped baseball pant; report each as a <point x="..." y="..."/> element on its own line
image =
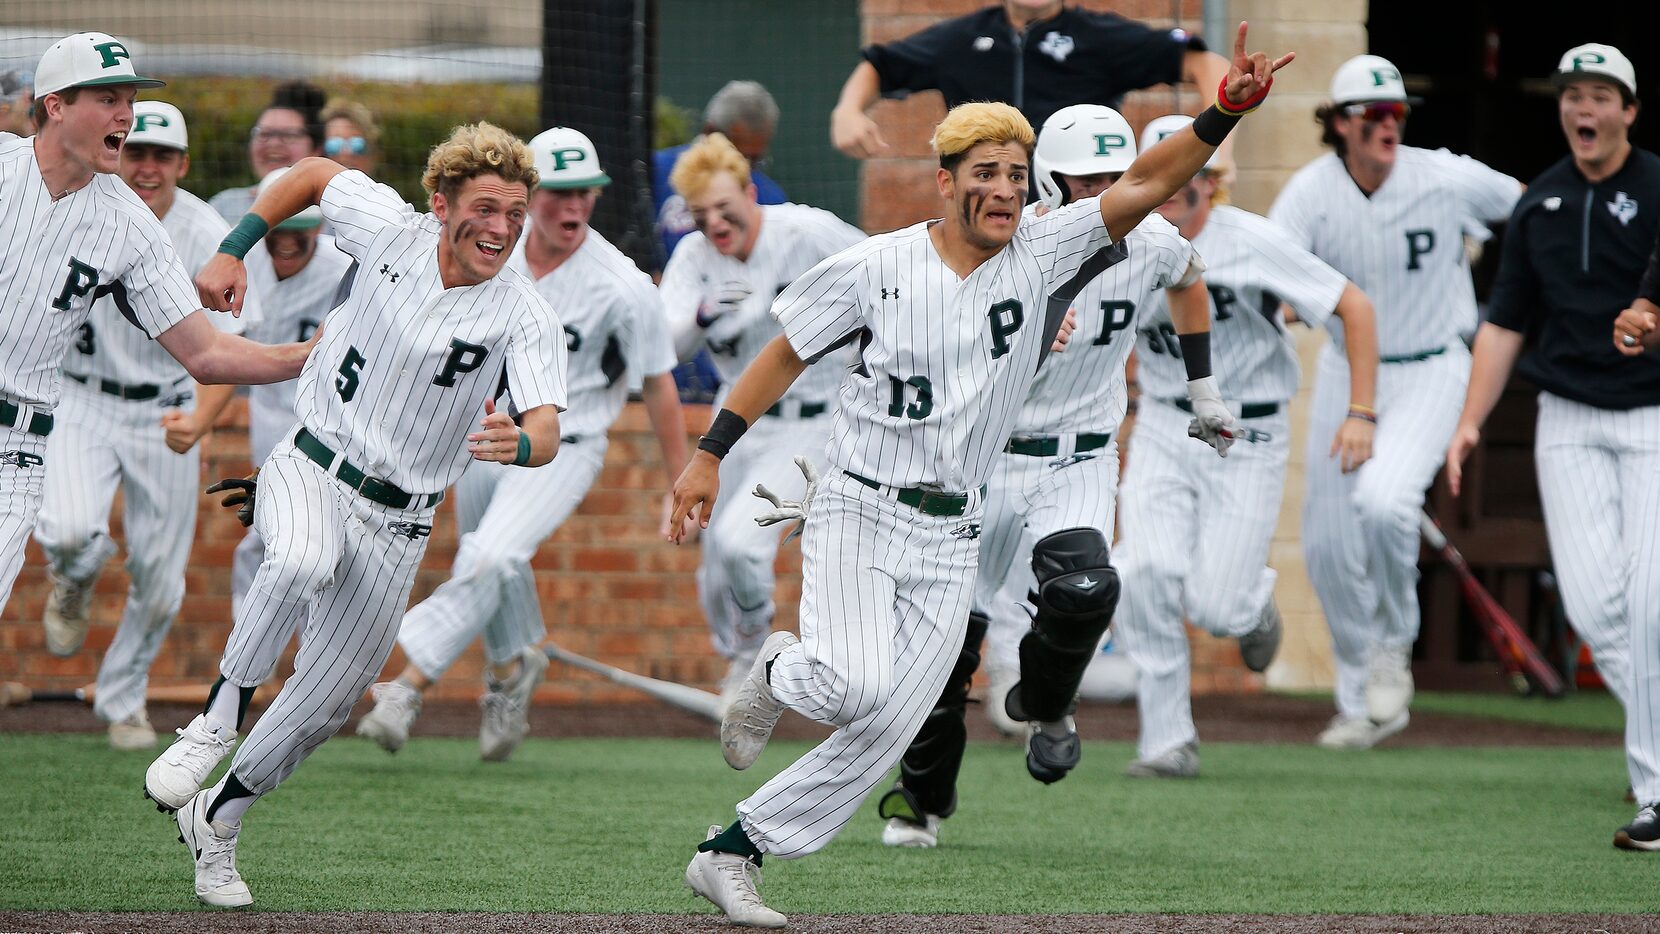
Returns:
<point x="505" y="513"/>
<point x="333" y="560"/>
<point x="1599" y="481"/>
<point x="1197" y="529"/>
<point x="885" y="594"/>
<point x="22" y="487"/>
<point x="1360" y="530"/>
<point x="1036" y="496"/>
<point x="735" y="575"/>
<point x="101" y="442"/>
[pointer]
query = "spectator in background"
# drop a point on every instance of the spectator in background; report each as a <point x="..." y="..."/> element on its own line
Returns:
<point x="1038" y="55"/>
<point x="16" y="97"/>
<point x="288" y="129"/>
<point x="351" y="136"/>
<point x="747" y="115"/>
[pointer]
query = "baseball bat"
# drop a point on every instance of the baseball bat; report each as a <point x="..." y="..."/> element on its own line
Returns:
<point x="701" y="703"/>
<point x="1527" y="669"/>
<point x="14" y="694"/>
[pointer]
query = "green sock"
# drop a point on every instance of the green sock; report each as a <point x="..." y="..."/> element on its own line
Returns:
<point x="731" y="840"/>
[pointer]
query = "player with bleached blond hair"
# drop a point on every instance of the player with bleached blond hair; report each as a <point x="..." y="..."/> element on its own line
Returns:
<point x="717" y="291"/>
<point x="403" y="369"/>
<point x="952" y="319"/>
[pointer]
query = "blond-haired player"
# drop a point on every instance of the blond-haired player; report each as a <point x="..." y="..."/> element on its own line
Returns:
<point x="401" y="373"/>
<point x="952" y="319"/>
<point x="717" y="291"/>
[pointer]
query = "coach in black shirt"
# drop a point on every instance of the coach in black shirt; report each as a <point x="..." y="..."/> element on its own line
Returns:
<point x="1038" y="55"/>
<point x="1574" y="253"/>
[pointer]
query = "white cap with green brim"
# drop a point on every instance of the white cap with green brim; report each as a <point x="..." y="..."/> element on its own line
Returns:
<point x="157" y="123"/>
<point x="565" y="158"/>
<point x="311" y="217"/>
<point x="87" y="59"/>
<point x="1595" y="60"/>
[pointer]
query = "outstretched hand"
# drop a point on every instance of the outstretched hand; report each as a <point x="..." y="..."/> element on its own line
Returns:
<point x="1251" y="74"/>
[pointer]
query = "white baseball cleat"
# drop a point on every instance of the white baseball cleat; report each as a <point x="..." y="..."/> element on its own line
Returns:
<point x="732" y="883"/>
<point x="507" y="707"/>
<point x="214" y="847"/>
<point x="396" y="706"/>
<point x="747" y="724"/>
<point x="1258" y="647"/>
<point x="1000" y="682"/>
<point x="1181" y="762"/>
<point x="1388" y="683"/>
<point x="132" y="732"/>
<point x="1358" y="732"/>
<point x="68" y="615"/>
<point x="906" y="833"/>
<point x="737" y="672"/>
<point x="182" y="768"/>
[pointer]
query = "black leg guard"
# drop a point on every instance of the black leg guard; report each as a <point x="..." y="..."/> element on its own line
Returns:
<point x="1077" y="592"/>
<point x="928" y="771"/>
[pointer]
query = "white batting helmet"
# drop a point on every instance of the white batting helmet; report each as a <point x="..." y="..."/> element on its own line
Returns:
<point x="1160" y="127"/>
<point x="565" y="158"/>
<point x="1084" y="139"/>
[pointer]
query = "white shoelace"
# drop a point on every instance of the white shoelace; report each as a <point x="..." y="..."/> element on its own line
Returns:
<point x="219" y="856"/>
<point x="72" y="599"/>
<point x="201" y="752"/>
<point x="742" y="885"/>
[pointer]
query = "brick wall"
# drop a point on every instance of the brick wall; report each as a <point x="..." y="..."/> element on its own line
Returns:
<point x="611" y="589"/>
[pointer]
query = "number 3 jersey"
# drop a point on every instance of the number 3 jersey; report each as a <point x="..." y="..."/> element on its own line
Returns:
<point x="944" y="362"/>
<point x="399" y="378"/>
<point x="1082" y="388"/>
<point x="1251" y="266"/>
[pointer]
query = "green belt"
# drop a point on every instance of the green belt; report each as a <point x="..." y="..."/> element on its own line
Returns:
<point x="371" y="489"/>
<point x="807" y="409"/>
<point x="927" y="502"/>
<point x="1049" y="447"/>
<point x="1248" y="410"/>
<point x="1414" y="357"/>
<point x="40" y="423"/>
<point x="138" y="392"/>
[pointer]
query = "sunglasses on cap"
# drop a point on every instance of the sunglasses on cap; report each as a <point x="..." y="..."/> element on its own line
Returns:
<point x="356" y="145"/>
<point x="1375" y="111"/>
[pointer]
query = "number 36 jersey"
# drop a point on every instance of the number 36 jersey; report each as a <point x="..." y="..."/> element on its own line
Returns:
<point x="402" y="370"/>
<point x="944" y="362"/>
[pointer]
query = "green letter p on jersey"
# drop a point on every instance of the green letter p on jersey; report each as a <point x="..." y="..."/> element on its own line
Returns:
<point x="80" y="280"/>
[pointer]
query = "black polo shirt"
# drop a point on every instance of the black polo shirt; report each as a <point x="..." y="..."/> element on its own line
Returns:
<point x="1574" y="254"/>
<point x="1074" y="57"/>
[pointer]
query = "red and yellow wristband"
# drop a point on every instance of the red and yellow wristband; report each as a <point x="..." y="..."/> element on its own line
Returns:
<point x="1239" y="110"/>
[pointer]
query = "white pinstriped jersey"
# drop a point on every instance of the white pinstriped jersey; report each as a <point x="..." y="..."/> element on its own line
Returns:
<point x="793" y="239"/>
<point x="615" y="333"/>
<point x="945" y="363"/>
<point x="1404" y="245"/>
<point x="1250" y="268"/>
<point x="108" y="347"/>
<point x="57" y="257"/>
<point x="1082" y="389"/>
<point x="399" y="377"/>
<point x="292" y="310"/>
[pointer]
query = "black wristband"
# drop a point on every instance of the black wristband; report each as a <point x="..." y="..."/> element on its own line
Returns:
<point x="1212" y="126"/>
<point x="1195" y="354"/>
<point x="724" y="431"/>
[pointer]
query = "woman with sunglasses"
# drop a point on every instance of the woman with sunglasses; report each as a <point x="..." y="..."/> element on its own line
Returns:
<point x="1391" y="218"/>
<point x="351" y="136"/>
<point x="287" y="130"/>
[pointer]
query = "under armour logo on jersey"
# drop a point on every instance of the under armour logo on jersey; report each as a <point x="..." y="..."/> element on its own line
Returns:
<point x="409" y="530"/>
<point x="984" y="44"/>
<point x="21" y="459"/>
<point x="1057" y="46"/>
<point x="1623" y="207"/>
<point x="1071" y="459"/>
<point x="890" y="293"/>
<point x="968" y="532"/>
<point x="386" y="268"/>
<point x="1552" y="203"/>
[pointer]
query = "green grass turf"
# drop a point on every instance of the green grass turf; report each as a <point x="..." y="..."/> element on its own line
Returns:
<point x="607" y="826"/>
<point x="1590" y="710"/>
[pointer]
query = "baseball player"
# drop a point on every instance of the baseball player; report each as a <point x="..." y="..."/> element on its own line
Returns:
<point x="431" y="328"/>
<point x="889" y="550"/>
<point x="1196" y="532"/>
<point x="72" y="232"/>
<point x="301" y="275"/>
<point x="127" y="418"/>
<point x="1391" y="218"/>
<point x="717" y="290"/>
<point x="1055" y="478"/>
<point x="1574" y="257"/>
<point x="616" y="340"/>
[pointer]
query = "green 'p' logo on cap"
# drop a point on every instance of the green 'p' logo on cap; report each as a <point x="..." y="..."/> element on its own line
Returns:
<point x="148" y="121"/>
<point x="112" y="53"/>
<point x="562" y="158"/>
<point x="1589" y="58"/>
<point x="1105" y="143"/>
<point x="1383" y="76"/>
